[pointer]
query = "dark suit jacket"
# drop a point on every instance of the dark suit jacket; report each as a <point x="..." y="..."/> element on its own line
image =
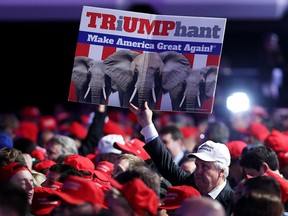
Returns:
<point x="176" y="176"/>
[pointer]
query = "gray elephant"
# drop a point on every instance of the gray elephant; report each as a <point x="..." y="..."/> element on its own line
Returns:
<point x="135" y="76"/>
<point x="188" y="88"/>
<point x="148" y="68"/>
<point x="86" y="72"/>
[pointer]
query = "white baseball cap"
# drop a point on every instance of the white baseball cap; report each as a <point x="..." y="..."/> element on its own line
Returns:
<point x="211" y="152"/>
<point x="105" y="144"/>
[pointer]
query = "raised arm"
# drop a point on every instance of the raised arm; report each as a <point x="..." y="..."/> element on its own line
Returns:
<point x="157" y="151"/>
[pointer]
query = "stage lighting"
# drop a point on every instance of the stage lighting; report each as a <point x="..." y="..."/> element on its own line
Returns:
<point x="238" y="102"/>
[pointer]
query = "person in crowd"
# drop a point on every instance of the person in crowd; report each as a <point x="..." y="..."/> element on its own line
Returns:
<point x="132" y="198"/>
<point x="265" y="184"/>
<point x="175" y="196"/>
<point x="257" y="160"/>
<point x="78" y="196"/>
<point x="82" y="164"/>
<point x="212" y="163"/>
<point x="173" y="140"/>
<point x="189" y="165"/>
<point x="200" y="206"/>
<point x="236" y="172"/>
<point x="258" y="204"/>
<point x="8" y="155"/>
<point x="13" y="200"/>
<point x="60" y="145"/>
<point x="9" y="123"/>
<point x="47" y="126"/>
<point x="106" y="150"/>
<point x="126" y="162"/>
<point x="20" y="175"/>
<point x="217" y="131"/>
<point x="262" y="160"/>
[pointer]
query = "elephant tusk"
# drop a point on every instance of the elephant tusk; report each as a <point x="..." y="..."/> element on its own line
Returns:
<point x="153" y="95"/>
<point x="182" y="101"/>
<point x="133" y="95"/>
<point x="87" y="92"/>
<point x="198" y="100"/>
<point x="104" y="93"/>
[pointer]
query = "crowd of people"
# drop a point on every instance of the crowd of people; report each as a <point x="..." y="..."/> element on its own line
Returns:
<point x="108" y="161"/>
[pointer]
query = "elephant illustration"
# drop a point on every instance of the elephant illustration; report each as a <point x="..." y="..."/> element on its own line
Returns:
<point x="94" y="80"/>
<point x="176" y="70"/>
<point x="136" y="77"/>
<point x="201" y="84"/>
<point x="88" y="77"/>
<point x="188" y="88"/>
<point x="148" y="68"/>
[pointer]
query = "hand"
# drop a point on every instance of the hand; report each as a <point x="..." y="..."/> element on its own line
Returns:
<point x="144" y="117"/>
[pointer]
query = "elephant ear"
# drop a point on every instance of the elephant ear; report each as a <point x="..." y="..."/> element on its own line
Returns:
<point x="209" y="74"/>
<point x="117" y="67"/>
<point x="82" y="65"/>
<point x="176" y="69"/>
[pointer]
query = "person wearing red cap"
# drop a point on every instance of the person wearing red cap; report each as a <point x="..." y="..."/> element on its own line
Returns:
<point x="13" y="200"/>
<point x="126" y="162"/>
<point x="78" y="196"/>
<point x="20" y="175"/>
<point x="212" y="163"/>
<point x="236" y="173"/>
<point x="200" y="206"/>
<point x="132" y="198"/>
<point x="174" y="197"/>
<point x="41" y="205"/>
<point x="81" y="163"/>
<point x="47" y="127"/>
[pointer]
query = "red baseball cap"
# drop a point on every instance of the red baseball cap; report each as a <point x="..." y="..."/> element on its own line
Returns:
<point x="46" y="164"/>
<point x="175" y="195"/>
<point x="257" y="130"/>
<point x="80" y="163"/>
<point x="134" y="146"/>
<point x="41" y="205"/>
<point x="140" y="197"/>
<point x="8" y="170"/>
<point x="105" y="167"/>
<point x="189" y="131"/>
<point x="47" y="123"/>
<point x="77" y="190"/>
<point x="38" y="154"/>
<point x="102" y="180"/>
<point x="30" y="112"/>
<point x="236" y="147"/>
<point x="282" y="158"/>
<point x="111" y="127"/>
<point x="277" y="141"/>
<point x="27" y="130"/>
<point x="78" y="130"/>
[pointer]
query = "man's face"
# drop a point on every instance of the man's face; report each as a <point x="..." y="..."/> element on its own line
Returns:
<point x="171" y="145"/>
<point x="207" y="176"/>
<point x="53" y="151"/>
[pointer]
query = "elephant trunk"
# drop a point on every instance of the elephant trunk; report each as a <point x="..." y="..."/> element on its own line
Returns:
<point x="98" y="94"/>
<point x="191" y="96"/>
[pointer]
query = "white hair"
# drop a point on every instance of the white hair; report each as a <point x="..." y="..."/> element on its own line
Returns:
<point x="67" y="143"/>
<point x="219" y="165"/>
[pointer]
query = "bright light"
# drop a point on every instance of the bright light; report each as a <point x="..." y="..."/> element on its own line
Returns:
<point x="238" y="102"/>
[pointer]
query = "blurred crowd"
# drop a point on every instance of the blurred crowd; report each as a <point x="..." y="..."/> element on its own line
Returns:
<point x="106" y="161"/>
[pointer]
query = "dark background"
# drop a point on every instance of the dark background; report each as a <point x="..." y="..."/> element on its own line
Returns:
<point x="37" y="59"/>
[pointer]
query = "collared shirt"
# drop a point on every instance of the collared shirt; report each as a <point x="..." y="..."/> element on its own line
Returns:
<point x="216" y="191"/>
<point x="149" y="132"/>
<point x="178" y="158"/>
